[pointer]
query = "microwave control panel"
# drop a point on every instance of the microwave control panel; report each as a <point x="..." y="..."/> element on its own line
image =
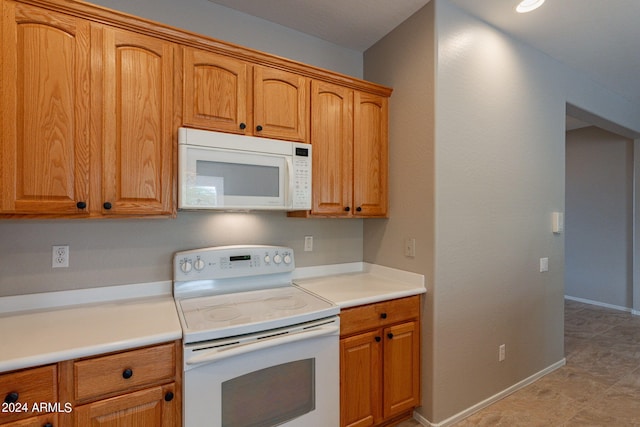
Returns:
<point x="301" y="177"/>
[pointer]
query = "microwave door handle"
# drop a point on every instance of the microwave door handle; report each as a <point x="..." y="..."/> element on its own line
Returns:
<point x="217" y="355"/>
<point x="290" y="183"/>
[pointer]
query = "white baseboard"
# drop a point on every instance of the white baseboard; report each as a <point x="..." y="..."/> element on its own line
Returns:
<point x="477" y="407"/>
<point x="602" y="304"/>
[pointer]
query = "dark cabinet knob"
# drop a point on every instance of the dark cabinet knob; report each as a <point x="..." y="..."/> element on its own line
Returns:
<point x="127" y="373"/>
<point x="378" y="339"/>
<point x="107" y="205"/>
<point x="81" y="205"/>
<point x="359" y="209"/>
<point x="243" y="126"/>
<point x="390" y="335"/>
<point x="169" y="396"/>
<point x="48" y="425"/>
<point x="258" y="128"/>
<point x="347" y="209"/>
<point x="11" y="397"/>
<point x="383" y="315"/>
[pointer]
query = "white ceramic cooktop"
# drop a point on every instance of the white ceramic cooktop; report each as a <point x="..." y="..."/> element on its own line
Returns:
<point x="218" y="316"/>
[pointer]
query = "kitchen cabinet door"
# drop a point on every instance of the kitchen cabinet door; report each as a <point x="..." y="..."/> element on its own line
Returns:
<point x="136" y="123"/>
<point x="155" y="406"/>
<point x="379" y="362"/>
<point x="215" y="92"/>
<point x="45" y="111"/>
<point x="332" y="140"/>
<point x="280" y="104"/>
<point x="401" y="361"/>
<point x="360" y="380"/>
<point x="370" y="155"/>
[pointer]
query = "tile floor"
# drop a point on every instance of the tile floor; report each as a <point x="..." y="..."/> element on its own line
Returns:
<point x="599" y="386"/>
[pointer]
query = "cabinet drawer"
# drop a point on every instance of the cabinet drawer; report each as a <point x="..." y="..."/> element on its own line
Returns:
<point x="32" y="386"/>
<point x="123" y="371"/>
<point x="371" y="316"/>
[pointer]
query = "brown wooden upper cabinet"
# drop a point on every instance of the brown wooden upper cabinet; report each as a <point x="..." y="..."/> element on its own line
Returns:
<point x="349" y="138"/>
<point x="45" y="111"/>
<point x="137" y="120"/>
<point x="370" y="155"/>
<point x="92" y="100"/>
<point x="86" y="117"/>
<point x="230" y="95"/>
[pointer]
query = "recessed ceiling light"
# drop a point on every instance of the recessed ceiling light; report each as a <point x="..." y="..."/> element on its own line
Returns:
<point x="528" y="5"/>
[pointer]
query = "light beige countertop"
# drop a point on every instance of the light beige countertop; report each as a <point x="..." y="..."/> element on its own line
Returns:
<point x="51" y="327"/>
<point x="360" y="284"/>
<point x="123" y="318"/>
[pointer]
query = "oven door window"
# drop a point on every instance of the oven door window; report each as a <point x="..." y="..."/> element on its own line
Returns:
<point x="269" y="397"/>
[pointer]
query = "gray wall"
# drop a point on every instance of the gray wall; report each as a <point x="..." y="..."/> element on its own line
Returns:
<point x="112" y="252"/>
<point x="598" y="219"/>
<point x="482" y="217"/>
<point x="404" y="60"/>
<point x="223" y="23"/>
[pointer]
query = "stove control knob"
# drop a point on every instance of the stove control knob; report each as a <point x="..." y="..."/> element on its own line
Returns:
<point x="287" y="259"/>
<point x="267" y="259"/>
<point x="199" y="264"/>
<point x="277" y="258"/>
<point x="186" y="266"/>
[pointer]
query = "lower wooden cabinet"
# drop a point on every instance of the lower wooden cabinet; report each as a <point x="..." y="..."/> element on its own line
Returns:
<point x="139" y="387"/>
<point x="150" y="407"/>
<point x="21" y="390"/>
<point x="379" y="362"/>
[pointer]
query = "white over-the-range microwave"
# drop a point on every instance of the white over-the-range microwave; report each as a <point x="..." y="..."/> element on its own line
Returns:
<point x="236" y="172"/>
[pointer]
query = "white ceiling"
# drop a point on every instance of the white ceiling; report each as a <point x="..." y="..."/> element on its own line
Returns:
<point x="599" y="37"/>
<point x="356" y="24"/>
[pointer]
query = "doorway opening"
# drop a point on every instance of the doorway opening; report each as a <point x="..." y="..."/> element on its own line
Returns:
<point x="601" y="181"/>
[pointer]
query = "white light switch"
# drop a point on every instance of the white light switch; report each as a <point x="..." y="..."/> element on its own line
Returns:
<point x="410" y="248"/>
<point x="544" y="264"/>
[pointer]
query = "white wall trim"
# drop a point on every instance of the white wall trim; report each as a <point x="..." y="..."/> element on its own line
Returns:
<point x="601" y="304"/>
<point x="477" y="407"/>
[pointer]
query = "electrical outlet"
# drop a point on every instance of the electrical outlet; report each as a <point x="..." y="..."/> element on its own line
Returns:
<point x="502" y="352"/>
<point x="308" y="243"/>
<point x="60" y="256"/>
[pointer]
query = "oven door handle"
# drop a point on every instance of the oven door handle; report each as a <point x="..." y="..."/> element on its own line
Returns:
<point x="217" y="355"/>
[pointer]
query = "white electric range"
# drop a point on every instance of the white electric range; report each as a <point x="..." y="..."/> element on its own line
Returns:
<point x="258" y="350"/>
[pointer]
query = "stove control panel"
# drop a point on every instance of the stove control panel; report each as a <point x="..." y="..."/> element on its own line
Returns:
<point x="223" y="262"/>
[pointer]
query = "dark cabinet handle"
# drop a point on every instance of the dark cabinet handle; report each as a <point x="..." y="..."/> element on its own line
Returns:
<point x="378" y="339"/>
<point x="127" y="373"/>
<point x="243" y="126"/>
<point x="359" y="209"/>
<point x="383" y="315"/>
<point x="11" y="397"/>
<point x="258" y="128"/>
<point x="347" y="209"/>
<point x="390" y="335"/>
<point x="48" y="425"/>
<point x="169" y="396"/>
<point x="107" y="205"/>
<point x="81" y="205"/>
